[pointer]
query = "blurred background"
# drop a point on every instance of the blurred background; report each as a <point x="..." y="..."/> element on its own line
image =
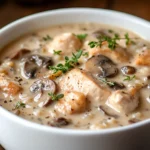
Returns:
<point x="10" y="10"/>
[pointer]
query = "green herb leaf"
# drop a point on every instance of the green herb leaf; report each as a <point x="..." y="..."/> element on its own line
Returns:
<point x="129" y="78"/>
<point x="86" y="54"/>
<point x="81" y="36"/>
<point x="20" y="105"/>
<point x="127" y="38"/>
<point x="69" y="63"/>
<point x="55" y="97"/>
<point x="57" y="52"/>
<point x="112" y="41"/>
<point x="110" y="31"/>
<point x="93" y="44"/>
<point x="47" y="38"/>
<point x="109" y="83"/>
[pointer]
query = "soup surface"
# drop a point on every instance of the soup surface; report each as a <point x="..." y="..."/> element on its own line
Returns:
<point x="80" y="76"/>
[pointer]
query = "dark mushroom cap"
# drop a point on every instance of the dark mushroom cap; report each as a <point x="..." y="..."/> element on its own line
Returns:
<point x="44" y="84"/>
<point x="117" y="86"/>
<point x="19" y="54"/>
<point x="33" y="63"/>
<point x="102" y="66"/>
<point x="127" y="70"/>
<point x="100" y="33"/>
<point x="59" y="122"/>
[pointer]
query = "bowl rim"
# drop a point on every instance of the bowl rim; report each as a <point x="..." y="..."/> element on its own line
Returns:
<point x="78" y="132"/>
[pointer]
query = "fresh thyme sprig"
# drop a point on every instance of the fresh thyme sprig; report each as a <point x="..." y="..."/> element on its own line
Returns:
<point x="47" y="38"/>
<point x="81" y="36"/>
<point x="57" y="52"/>
<point x="109" y="83"/>
<point x="20" y="105"/>
<point x="129" y="78"/>
<point x="112" y="41"/>
<point x="69" y="63"/>
<point x="86" y="54"/>
<point x="55" y="97"/>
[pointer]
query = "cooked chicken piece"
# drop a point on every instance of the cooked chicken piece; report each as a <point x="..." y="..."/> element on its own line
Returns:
<point x="66" y="42"/>
<point x="118" y="55"/>
<point x="143" y="58"/>
<point x="123" y="102"/>
<point x="8" y="86"/>
<point x="81" y="81"/>
<point x="72" y="102"/>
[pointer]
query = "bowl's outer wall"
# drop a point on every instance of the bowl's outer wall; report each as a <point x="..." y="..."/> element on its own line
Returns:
<point x="14" y="135"/>
<point x="17" y="137"/>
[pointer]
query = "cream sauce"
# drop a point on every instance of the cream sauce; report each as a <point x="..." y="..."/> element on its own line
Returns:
<point x="94" y="115"/>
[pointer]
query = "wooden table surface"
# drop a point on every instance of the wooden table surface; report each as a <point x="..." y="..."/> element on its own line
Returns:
<point x="10" y="11"/>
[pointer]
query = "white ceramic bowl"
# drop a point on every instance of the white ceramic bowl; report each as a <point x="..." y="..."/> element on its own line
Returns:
<point x="19" y="134"/>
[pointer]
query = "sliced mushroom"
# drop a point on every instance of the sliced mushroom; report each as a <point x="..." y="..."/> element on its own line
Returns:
<point x="19" y="54"/>
<point x="43" y="85"/>
<point x="133" y="120"/>
<point x="127" y="70"/>
<point x="117" y="86"/>
<point x="30" y="69"/>
<point x="34" y="63"/>
<point x="59" y="122"/>
<point x="46" y="101"/>
<point x="41" y="61"/>
<point x="105" y="112"/>
<point x="102" y="66"/>
<point x="100" y="33"/>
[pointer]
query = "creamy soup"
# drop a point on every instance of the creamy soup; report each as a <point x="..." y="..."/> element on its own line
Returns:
<point x="80" y="76"/>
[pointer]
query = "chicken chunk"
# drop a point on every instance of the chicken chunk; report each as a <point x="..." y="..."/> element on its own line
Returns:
<point x="123" y="102"/>
<point x="81" y="81"/>
<point x="72" y="102"/>
<point x="143" y="58"/>
<point x="8" y="86"/>
<point x="118" y="55"/>
<point x="66" y="42"/>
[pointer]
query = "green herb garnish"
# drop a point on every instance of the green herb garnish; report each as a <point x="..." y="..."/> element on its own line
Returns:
<point x="127" y="38"/>
<point x="57" y="52"/>
<point x="109" y="83"/>
<point x="112" y="41"/>
<point x="81" y="36"/>
<point x="86" y="54"/>
<point x="93" y="44"/>
<point x="129" y="78"/>
<point x="69" y="63"/>
<point x="47" y="38"/>
<point x="20" y="105"/>
<point x="55" y="97"/>
<point x="110" y="31"/>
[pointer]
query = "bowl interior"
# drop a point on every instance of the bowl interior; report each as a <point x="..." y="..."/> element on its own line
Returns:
<point x="73" y="15"/>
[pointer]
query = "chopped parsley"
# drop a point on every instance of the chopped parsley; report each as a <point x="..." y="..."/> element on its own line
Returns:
<point x="81" y="36"/>
<point x="20" y="105"/>
<point x="57" y="52"/>
<point x="69" y="63"/>
<point x="47" y="38"/>
<point x="109" y="83"/>
<point x="55" y="97"/>
<point x="112" y="41"/>
<point x="129" y="78"/>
